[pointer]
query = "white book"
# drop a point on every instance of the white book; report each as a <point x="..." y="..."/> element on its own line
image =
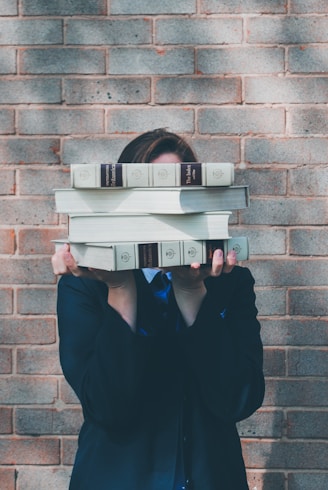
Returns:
<point x="113" y="175"/>
<point x="104" y="227"/>
<point x="163" y="200"/>
<point x="124" y="256"/>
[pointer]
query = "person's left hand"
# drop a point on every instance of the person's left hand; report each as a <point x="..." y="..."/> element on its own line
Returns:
<point x="191" y="277"/>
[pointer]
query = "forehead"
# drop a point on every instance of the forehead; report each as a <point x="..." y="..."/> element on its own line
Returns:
<point x="167" y="158"/>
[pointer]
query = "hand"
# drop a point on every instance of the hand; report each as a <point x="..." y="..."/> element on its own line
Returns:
<point x="191" y="277"/>
<point x="63" y="262"/>
<point x="188" y="283"/>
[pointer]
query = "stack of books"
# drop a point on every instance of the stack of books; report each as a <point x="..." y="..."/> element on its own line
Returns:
<point x="135" y="215"/>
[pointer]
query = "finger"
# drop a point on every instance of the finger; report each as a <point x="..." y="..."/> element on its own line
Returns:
<point x="217" y="262"/>
<point x="231" y="261"/>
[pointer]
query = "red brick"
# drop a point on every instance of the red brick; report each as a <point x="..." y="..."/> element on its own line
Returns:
<point x="32" y="241"/>
<point x="6" y="422"/>
<point x="7" y="241"/>
<point x="19" y="450"/>
<point x="8" y="478"/>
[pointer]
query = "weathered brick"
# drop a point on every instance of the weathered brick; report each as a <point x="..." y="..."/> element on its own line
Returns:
<point x="63" y="60"/>
<point x="39" y="478"/>
<point x="294" y="332"/>
<point x="309" y="424"/>
<point x="36" y="301"/>
<point x="266" y="241"/>
<point x="6" y="422"/>
<point x="30" y="421"/>
<point x="27" y="211"/>
<point x="66" y="393"/>
<point x="100" y="32"/>
<point x="274" y="362"/>
<point x="308" y="241"/>
<point x="26" y="271"/>
<point x="199" y="31"/>
<point x="5" y="361"/>
<point x="243" y="6"/>
<point x="38" y="241"/>
<point x="27" y="330"/>
<point x="241" y="120"/>
<point x="29" y="150"/>
<point x="290" y="272"/>
<point x="62" y="7"/>
<point x="308" y="59"/>
<point x="7" y="61"/>
<point x="8" y="475"/>
<point x="240" y="60"/>
<point x="69" y="450"/>
<point x="285" y="455"/>
<point x="263" y="181"/>
<point x="32" y="181"/>
<point x="308" y="6"/>
<point x="312" y="120"/>
<point x="197" y="90"/>
<point x="284" y="211"/>
<point x="8" y="8"/>
<point x="6" y="303"/>
<point x="107" y="91"/>
<point x="307" y="362"/>
<point x="30" y="91"/>
<point x="29" y="451"/>
<point x="287" y="29"/>
<point x="289" y="90"/>
<point x="38" y="361"/>
<point x="125" y="7"/>
<point x="264" y="480"/>
<point x="147" y="61"/>
<point x="216" y="149"/>
<point x="7" y="182"/>
<point x="309" y="181"/>
<point x="309" y="302"/>
<point x="60" y="121"/>
<point x="264" y="423"/>
<point x="6" y="121"/>
<point x="296" y="393"/>
<point x="307" y="480"/>
<point x="28" y="31"/>
<point x="271" y="301"/>
<point x="304" y="151"/>
<point x="27" y="390"/>
<point x="95" y="150"/>
<point x="145" y="119"/>
<point x="7" y="241"/>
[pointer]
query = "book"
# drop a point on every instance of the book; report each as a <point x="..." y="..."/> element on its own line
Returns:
<point x="119" y="227"/>
<point x="124" y="256"/>
<point x="176" y="200"/>
<point x="112" y="175"/>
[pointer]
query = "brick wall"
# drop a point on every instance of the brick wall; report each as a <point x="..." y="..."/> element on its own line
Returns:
<point x="244" y="81"/>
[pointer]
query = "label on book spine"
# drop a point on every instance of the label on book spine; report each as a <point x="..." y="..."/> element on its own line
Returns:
<point x="210" y="247"/>
<point x="191" y="174"/>
<point x="111" y="175"/>
<point x="148" y="255"/>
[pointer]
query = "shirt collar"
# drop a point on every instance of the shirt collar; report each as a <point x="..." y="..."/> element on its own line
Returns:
<point x="151" y="273"/>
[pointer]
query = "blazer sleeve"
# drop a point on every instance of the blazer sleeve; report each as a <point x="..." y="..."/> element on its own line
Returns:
<point x="101" y="358"/>
<point x="223" y="347"/>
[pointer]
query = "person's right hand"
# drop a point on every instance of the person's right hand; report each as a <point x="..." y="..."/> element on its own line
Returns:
<point x="63" y="262"/>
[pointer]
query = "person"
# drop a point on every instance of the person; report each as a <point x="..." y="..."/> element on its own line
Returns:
<point x="162" y="378"/>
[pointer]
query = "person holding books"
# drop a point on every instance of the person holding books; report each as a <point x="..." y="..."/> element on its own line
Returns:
<point x="164" y="364"/>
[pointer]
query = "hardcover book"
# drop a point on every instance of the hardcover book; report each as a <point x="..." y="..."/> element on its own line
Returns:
<point x="105" y="227"/>
<point x="113" y="175"/>
<point x="170" y="200"/>
<point x="124" y="256"/>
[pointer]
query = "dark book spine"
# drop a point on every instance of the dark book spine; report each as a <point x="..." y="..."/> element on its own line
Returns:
<point x="148" y="255"/>
<point x="190" y="174"/>
<point x="111" y="175"/>
<point x="210" y="247"/>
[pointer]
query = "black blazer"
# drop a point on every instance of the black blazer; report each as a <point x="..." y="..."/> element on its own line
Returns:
<point x="143" y="397"/>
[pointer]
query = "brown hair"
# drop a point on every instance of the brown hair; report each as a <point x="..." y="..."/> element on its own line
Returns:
<point x="148" y="146"/>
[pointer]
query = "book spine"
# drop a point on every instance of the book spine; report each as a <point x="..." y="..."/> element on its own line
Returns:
<point x="113" y="175"/>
